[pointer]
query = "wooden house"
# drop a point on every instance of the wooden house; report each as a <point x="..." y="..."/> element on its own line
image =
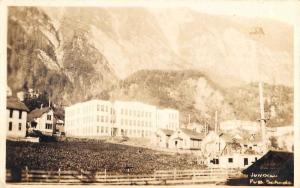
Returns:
<point x="16" y="118"/>
<point x="41" y="119"/>
<point x="274" y="168"/>
<point x="186" y="139"/>
<point x="162" y="137"/>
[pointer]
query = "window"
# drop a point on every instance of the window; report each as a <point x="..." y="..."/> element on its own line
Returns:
<point x="97" y="129"/>
<point x="98" y="107"/>
<point x="217" y="161"/>
<point x="10" y="126"/>
<point x="245" y="161"/>
<point x="98" y="118"/>
<point x="20" y="126"/>
<point x="102" y="130"/>
<point x="48" y="117"/>
<point x="106" y="108"/>
<point x="48" y="126"/>
<point x="11" y="113"/>
<point x="20" y="114"/>
<point x="102" y="118"/>
<point x="106" y="129"/>
<point x="230" y="160"/>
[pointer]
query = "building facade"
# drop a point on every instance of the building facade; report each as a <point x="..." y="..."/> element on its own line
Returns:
<point x="41" y="119"/>
<point x="120" y="118"/>
<point x="90" y="119"/>
<point x="186" y="139"/>
<point x="16" y="118"/>
<point x="167" y="119"/>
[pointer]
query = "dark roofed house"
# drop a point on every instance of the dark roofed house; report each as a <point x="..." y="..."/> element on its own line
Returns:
<point x="186" y="139"/>
<point x="16" y="118"/>
<point x="41" y="119"/>
<point x="274" y="168"/>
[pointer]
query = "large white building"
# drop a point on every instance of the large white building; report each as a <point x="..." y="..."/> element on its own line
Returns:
<point x="90" y="119"/>
<point x="120" y="118"/>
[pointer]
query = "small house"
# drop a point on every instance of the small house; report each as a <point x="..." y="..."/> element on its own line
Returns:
<point x="162" y="137"/>
<point x="186" y="139"/>
<point x="41" y="119"/>
<point x="233" y="154"/>
<point x="16" y="118"/>
<point x="274" y="168"/>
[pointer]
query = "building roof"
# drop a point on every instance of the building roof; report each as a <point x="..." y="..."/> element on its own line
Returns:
<point x="273" y="161"/>
<point x="192" y="134"/>
<point x="167" y="132"/>
<point x="38" y="112"/>
<point x="14" y="103"/>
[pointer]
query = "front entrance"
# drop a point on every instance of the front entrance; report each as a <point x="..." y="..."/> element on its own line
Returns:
<point x="114" y="131"/>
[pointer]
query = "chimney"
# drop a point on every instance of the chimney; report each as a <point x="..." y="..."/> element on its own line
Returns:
<point x="262" y="113"/>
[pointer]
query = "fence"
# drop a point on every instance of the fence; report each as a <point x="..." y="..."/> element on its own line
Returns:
<point x="161" y="177"/>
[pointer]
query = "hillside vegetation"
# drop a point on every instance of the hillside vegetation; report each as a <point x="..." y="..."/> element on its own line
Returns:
<point x="92" y="155"/>
<point x="194" y="94"/>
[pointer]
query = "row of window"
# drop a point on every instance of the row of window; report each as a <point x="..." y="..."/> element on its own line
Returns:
<point x="135" y="113"/>
<point x="172" y="116"/>
<point x="135" y="132"/>
<point x="10" y="126"/>
<point x="136" y="123"/>
<point x="230" y="160"/>
<point x="105" y="108"/>
<point x="171" y="125"/>
<point x="104" y="119"/>
<point x="11" y="112"/>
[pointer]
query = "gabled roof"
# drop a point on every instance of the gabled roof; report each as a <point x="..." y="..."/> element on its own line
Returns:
<point x="38" y="112"/>
<point x="167" y="132"/>
<point x="272" y="161"/>
<point x="14" y="103"/>
<point x="192" y="134"/>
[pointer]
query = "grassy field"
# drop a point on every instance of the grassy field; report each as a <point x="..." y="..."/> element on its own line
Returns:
<point x="93" y="155"/>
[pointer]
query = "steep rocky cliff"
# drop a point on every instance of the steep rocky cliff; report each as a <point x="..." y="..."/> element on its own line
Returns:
<point x="177" y="58"/>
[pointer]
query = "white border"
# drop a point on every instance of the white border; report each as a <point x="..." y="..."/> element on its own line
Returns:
<point x="283" y="11"/>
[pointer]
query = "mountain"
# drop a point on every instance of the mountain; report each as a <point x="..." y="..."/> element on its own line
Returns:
<point x="194" y="94"/>
<point x="179" y="58"/>
<point x="40" y="57"/>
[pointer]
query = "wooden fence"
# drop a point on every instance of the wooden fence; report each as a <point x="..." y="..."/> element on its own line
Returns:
<point x="161" y="177"/>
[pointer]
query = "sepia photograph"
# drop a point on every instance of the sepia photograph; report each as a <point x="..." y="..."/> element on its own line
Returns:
<point x="148" y="95"/>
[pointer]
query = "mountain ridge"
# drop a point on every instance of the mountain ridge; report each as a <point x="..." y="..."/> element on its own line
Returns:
<point x="98" y="54"/>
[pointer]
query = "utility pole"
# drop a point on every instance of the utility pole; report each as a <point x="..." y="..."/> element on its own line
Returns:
<point x="216" y="121"/>
<point x="262" y="116"/>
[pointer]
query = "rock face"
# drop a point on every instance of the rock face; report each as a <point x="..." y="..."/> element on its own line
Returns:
<point x="169" y="57"/>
